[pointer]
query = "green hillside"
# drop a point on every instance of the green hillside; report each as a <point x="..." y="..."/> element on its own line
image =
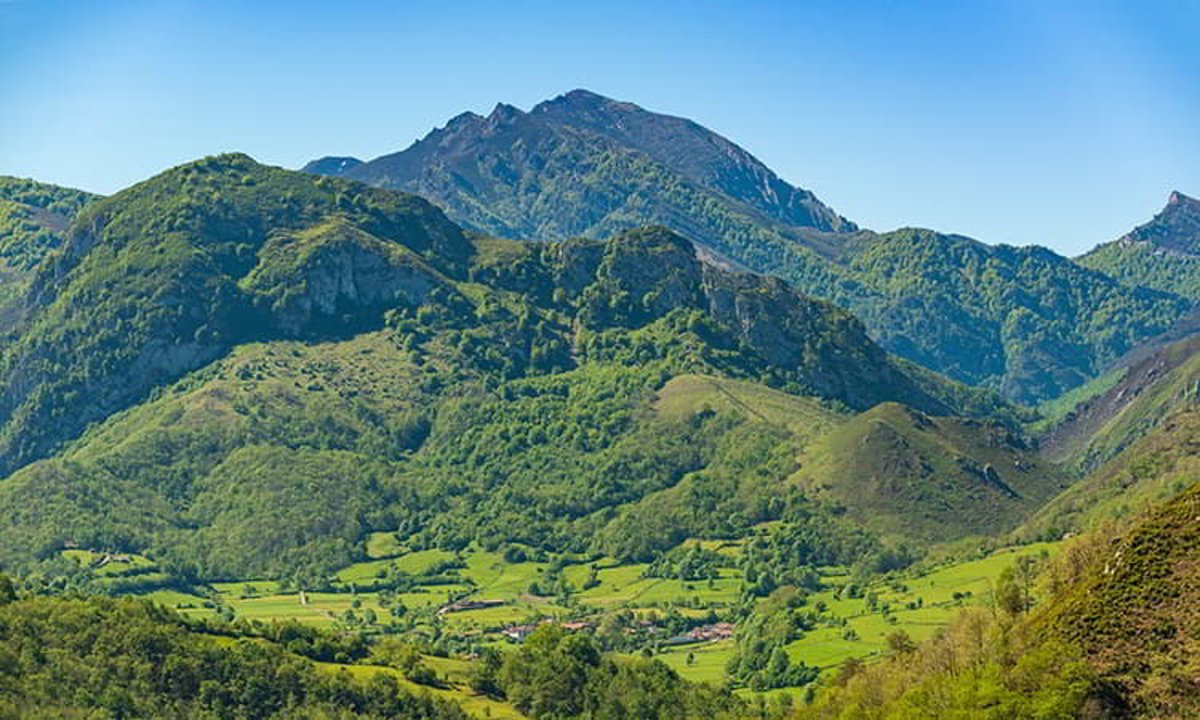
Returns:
<point x="169" y="275"/>
<point x="911" y="475"/>
<point x="1024" y="321"/>
<point x="262" y="396"/>
<point x="1154" y="468"/>
<point x="1132" y="609"/>
<point x="274" y="366"/>
<point x="145" y="288"/>
<point x="1106" y="630"/>
<point x="1142" y="394"/>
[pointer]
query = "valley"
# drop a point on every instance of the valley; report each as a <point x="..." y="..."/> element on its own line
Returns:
<point x="605" y="420"/>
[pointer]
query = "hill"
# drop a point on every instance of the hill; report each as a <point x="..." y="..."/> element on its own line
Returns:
<point x="146" y="285"/>
<point x="907" y="474"/>
<point x="1106" y="630"/>
<point x="1163" y="254"/>
<point x="1023" y="321"/>
<point x="1132" y="610"/>
<point x="254" y="348"/>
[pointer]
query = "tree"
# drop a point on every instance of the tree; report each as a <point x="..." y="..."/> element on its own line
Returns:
<point x="485" y="673"/>
<point x="901" y="643"/>
<point x="8" y="591"/>
<point x="547" y="677"/>
<point x="1009" y="596"/>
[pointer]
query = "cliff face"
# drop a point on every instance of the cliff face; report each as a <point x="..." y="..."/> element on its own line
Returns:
<point x="644" y="274"/>
<point x="334" y="272"/>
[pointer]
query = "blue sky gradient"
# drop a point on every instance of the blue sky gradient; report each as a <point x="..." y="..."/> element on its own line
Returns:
<point x="1059" y="123"/>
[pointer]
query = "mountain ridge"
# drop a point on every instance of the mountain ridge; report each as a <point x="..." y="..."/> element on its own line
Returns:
<point x="582" y="164"/>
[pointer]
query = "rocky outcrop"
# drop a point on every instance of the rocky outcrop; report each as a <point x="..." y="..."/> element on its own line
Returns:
<point x="335" y="270"/>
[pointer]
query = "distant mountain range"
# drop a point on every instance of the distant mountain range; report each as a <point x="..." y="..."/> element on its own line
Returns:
<point x="1024" y="321"/>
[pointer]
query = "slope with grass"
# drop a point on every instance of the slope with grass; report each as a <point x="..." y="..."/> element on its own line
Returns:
<point x="1109" y="630"/>
<point x="915" y="476"/>
<point x="1152" y="469"/>
<point x="1143" y="393"/>
<point x="1132" y="609"/>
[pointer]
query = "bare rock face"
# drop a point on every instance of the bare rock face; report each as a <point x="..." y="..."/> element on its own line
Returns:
<point x="1176" y="228"/>
<point x="335" y="270"/>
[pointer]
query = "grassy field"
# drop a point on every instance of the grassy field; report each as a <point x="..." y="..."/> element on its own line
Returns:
<point x="383" y="545"/>
<point x="708" y="660"/>
<point x="921" y="606"/>
<point x="414" y="563"/>
<point x="686" y="395"/>
<point x="106" y="565"/>
<point x="451" y="672"/>
<point x="918" y="603"/>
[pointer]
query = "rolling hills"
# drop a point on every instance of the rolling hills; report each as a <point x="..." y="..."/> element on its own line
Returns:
<point x="275" y="365"/>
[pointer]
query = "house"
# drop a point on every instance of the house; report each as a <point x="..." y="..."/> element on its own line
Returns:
<point x="716" y="631"/>
<point x="517" y="633"/>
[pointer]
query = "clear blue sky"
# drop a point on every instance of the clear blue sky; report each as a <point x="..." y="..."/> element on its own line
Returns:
<point x="1054" y="122"/>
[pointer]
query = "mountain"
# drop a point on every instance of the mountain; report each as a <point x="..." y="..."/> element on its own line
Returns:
<point x="168" y="275"/>
<point x="1163" y="254"/>
<point x="509" y="147"/>
<point x="252" y="369"/>
<point x="1026" y="321"/>
<point x="1023" y="321"/>
<point x="229" y="325"/>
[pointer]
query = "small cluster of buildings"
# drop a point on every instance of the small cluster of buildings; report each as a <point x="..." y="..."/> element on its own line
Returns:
<point x="518" y="633"/>
<point x="704" y="633"/>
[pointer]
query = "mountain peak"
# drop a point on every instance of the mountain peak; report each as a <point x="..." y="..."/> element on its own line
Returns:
<point x="503" y="112"/>
<point x="1178" y="199"/>
<point x="582" y="101"/>
<point x="1175" y="229"/>
<point x="490" y="173"/>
